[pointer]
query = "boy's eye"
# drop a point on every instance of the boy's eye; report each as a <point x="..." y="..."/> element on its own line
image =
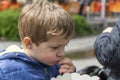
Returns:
<point x="55" y="47"/>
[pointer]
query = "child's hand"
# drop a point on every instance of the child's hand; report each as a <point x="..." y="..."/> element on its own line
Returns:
<point x="66" y="66"/>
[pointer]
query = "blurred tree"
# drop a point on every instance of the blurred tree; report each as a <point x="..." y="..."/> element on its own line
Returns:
<point x="51" y="0"/>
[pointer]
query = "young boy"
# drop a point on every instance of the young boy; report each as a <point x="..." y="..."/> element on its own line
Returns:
<point x="107" y="50"/>
<point x="44" y="29"/>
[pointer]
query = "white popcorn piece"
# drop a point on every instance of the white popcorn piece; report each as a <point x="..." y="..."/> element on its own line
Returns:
<point x="75" y="76"/>
<point x="59" y="77"/>
<point x="66" y="76"/>
<point x="85" y="77"/>
<point x="95" y="78"/>
<point x="53" y="79"/>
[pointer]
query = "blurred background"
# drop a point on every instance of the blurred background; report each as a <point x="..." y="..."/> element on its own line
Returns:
<point x="90" y="17"/>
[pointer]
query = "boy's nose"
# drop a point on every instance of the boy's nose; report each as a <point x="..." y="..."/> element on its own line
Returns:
<point x="60" y="53"/>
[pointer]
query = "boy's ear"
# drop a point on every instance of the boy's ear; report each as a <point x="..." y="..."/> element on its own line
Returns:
<point x="27" y="42"/>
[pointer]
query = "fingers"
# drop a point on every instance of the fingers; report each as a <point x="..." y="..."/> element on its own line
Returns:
<point x="66" y="61"/>
<point x="66" y="66"/>
<point x="66" y="69"/>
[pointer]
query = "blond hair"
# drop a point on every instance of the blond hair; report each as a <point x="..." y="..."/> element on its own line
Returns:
<point x="41" y="20"/>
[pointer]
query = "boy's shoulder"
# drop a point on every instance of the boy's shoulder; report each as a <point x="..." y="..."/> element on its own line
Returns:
<point x="10" y="63"/>
<point x="12" y="66"/>
<point x="17" y="68"/>
<point x="12" y="59"/>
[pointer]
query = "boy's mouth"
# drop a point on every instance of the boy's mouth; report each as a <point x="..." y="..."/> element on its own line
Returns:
<point x="58" y="61"/>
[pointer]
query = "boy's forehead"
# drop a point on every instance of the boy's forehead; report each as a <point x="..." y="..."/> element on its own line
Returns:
<point x="59" y="39"/>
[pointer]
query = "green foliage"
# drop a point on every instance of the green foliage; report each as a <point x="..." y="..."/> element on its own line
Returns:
<point x="82" y="28"/>
<point x="9" y="31"/>
<point x="76" y="55"/>
<point x="8" y="25"/>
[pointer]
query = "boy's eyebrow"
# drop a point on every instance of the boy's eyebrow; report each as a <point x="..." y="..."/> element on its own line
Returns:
<point x="62" y="44"/>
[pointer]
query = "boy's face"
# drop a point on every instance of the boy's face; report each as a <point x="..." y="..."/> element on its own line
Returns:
<point x="51" y="51"/>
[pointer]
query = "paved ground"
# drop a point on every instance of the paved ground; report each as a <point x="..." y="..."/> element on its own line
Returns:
<point x="74" y="45"/>
<point x="81" y="63"/>
<point x="80" y="44"/>
<point x="4" y="44"/>
<point x="77" y="44"/>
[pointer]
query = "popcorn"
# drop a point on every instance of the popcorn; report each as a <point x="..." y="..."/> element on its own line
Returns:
<point x="75" y="76"/>
<point x="66" y="76"/>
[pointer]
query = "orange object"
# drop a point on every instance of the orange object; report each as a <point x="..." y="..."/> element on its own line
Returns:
<point x="4" y="4"/>
<point x="71" y="6"/>
<point x="92" y="6"/>
<point x="14" y="5"/>
<point x="111" y="6"/>
<point x="97" y="7"/>
<point x="117" y="6"/>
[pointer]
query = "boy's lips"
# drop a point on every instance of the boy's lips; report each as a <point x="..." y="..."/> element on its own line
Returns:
<point x="58" y="61"/>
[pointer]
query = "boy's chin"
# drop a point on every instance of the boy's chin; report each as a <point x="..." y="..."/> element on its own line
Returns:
<point x="51" y="64"/>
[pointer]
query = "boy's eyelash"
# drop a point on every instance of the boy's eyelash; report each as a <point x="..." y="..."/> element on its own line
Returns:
<point x="54" y="47"/>
<point x="58" y="46"/>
